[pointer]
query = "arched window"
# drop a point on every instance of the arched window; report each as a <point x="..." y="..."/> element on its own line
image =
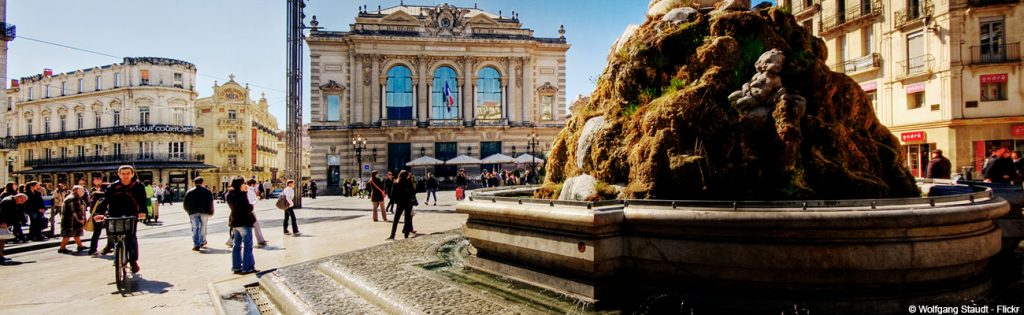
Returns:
<point x="399" y="93"/>
<point x="488" y="94"/>
<point x="445" y="94"/>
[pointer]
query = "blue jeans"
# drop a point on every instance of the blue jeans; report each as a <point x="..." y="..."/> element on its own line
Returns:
<point x="198" y="228"/>
<point x="241" y="252"/>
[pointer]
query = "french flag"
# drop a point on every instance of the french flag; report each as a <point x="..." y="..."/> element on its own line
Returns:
<point x="448" y="96"/>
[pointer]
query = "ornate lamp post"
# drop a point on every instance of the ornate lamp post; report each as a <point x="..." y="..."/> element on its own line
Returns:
<point x="532" y="144"/>
<point x="359" y="144"/>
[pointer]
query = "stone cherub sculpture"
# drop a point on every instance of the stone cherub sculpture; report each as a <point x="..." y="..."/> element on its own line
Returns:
<point x="766" y="86"/>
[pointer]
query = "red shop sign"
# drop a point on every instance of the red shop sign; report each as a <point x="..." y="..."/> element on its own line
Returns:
<point x="994" y="78"/>
<point x="916" y="136"/>
<point x="1017" y="130"/>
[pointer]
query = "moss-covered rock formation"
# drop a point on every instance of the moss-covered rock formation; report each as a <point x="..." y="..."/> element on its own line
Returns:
<point x="667" y="130"/>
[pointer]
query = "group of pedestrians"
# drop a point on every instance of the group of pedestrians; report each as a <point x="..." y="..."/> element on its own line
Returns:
<point x="1004" y="166"/>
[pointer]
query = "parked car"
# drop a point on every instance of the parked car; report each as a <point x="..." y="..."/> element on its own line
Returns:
<point x="276" y="193"/>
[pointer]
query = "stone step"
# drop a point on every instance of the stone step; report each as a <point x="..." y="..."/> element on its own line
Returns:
<point x="303" y="289"/>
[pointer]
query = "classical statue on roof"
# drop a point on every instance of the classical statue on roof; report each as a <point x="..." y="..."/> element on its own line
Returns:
<point x="445" y="20"/>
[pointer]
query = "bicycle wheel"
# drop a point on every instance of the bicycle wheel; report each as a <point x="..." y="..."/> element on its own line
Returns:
<point x="118" y="267"/>
<point x="122" y="269"/>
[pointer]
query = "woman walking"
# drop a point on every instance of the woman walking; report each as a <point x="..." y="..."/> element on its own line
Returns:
<point x="241" y="222"/>
<point x="404" y="194"/>
<point x="72" y="219"/>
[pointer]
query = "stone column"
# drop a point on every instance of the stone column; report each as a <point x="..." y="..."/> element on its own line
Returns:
<point x="527" y="90"/>
<point x="375" y="92"/>
<point x="423" y="97"/>
<point x="468" y="102"/>
<point x="357" y="91"/>
<point x="508" y="109"/>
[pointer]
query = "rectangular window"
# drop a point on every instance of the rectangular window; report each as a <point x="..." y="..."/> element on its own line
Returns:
<point x="144" y="77"/>
<point x="28" y="127"/>
<point x="177" y="81"/>
<point x="915" y="100"/>
<point x="117" y="149"/>
<point x="176" y="149"/>
<point x="117" y="79"/>
<point x="144" y="115"/>
<point x="63" y="153"/>
<point x="81" y="151"/>
<point x="993" y="91"/>
<point x="30" y="93"/>
<point x="232" y="114"/>
<point x="993" y="40"/>
<point x="31" y="154"/>
<point x="81" y="85"/>
<point x="117" y="118"/>
<point x="873" y="97"/>
<point x="232" y="160"/>
<point x="867" y="35"/>
<point x="80" y="117"/>
<point x="99" y="83"/>
<point x="915" y="53"/>
<point x="46" y="125"/>
<point x="98" y="123"/>
<point x="63" y="123"/>
<point x="232" y="137"/>
<point x="809" y="25"/>
<point x="547" y="105"/>
<point x="841" y="48"/>
<point x="333" y="108"/>
<point x="46" y="91"/>
<point x="97" y="149"/>
<point x="63" y="88"/>
<point x="10" y="103"/>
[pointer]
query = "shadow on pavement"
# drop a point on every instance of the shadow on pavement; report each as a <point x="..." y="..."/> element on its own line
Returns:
<point x="215" y="251"/>
<point x="266" y="225"/>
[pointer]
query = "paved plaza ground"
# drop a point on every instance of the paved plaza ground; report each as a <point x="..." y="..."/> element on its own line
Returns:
<point x="174" y="279"/>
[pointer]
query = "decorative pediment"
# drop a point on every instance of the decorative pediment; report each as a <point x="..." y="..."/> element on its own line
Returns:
<point x="62" y="111"/>
<point x="445" y="20"/>
<point x="144" y="101"/>
<point x="332" y="86"/>
<point x="547" y="88"/>
<point x="482" y="19"/>
<point x="400" y="17"/>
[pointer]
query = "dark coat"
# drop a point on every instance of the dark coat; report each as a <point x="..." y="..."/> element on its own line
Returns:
<point x="376" y="187"/>
<point x="124" y="200"/>
<point x="997" y="168"/>
<point x="241" y="209"/>
<point x="72" y="213"/>
<point x="35" y="202"/>
<point x="10" y="211"/>
<point x="403" y="193"/>
<point x="460" y="180"/>
<point x="939" y="167"/>
<point x="431" y="183"/>
<point x="198" y="200"/>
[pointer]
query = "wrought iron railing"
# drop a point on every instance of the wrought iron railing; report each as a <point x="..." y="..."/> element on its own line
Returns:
<point x="914" y="66"/>
<point x="446" y="122"/>
<point x="8" y="143"/>
<point x="864" y="9"/>
<point x="871" y="61"/>
<point x="230" y="146"/>
<point x="398" y="123"/>
<point x="117" y="159"/>
<point x="799" y="6"/>
<point x="914" y="12"/>
<point x="988" y="54"/>
<point x="227" y="122"/>
<point x="258" y="168"/>
<point x="491" y="122"/>
<point x="106" y="131"/>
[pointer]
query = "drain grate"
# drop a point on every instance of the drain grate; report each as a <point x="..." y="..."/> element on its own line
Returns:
<point x="262" y="302"/>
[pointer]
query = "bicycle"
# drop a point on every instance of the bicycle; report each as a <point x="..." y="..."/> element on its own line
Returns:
<point x="117" y="229"/>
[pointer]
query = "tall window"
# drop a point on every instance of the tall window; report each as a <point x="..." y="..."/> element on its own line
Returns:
<point x="81" y="151"/>
<point x="80" y="118"/>
<point x="547" y="105"/>
<point x="841" y="48"/>
<point x="31" y="154"/>
<point x="28" y="127"/>
<point x="63" y="123"/>
<point x="334" y="108"/>
<point x="63" y="153"/>
<point x="99" y="83"/>
<point x="98" y="123"/>
<point x="176" y="149"/>
<point x="993" y="40"/>
<point x="63" y="88"/>
<point x="117" y="149"/>
<point x="117" y="118"/>
<point x="144" y="115"/>
<point x="445" y="105"/>
<point x="915" y="53"/>
<point x="146" y="150"/>
<point x="177" y="80"/>
<point x="46" y="91"/>
<point x="488" y="94"/>
<point x="46" y="125"/>
<point x="48" y="154"/>
<point x="117" y="79"/>
<point x="144" y="77"/>
<point x="97" y="149"/>
<point x="30" y="93"/>
<point x="232" y="160"/>
<point x="81" y="85"/>
<point x="232" y="137"/>
<point x="232" y="114"/>
<point x="399" y="93"/>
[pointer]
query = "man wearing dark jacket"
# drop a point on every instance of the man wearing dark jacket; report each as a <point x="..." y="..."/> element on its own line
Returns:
<point x="199" y="205"/>
<point x="36" y="211"/>
<point x="125" y="197"/>
<point x="939" y="166"/>
<point x="431" y="188"/>
<point x="998" y="167"/>
<point x="241" y="220"/>
<point x="9" y="214"/>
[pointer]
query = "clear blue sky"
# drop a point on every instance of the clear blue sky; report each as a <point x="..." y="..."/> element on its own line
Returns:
<point x="247" y="37"/>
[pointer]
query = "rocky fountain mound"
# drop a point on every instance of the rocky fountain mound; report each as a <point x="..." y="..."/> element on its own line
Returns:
<point x="729" y="105"/>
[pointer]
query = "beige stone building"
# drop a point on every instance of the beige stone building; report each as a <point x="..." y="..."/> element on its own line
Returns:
<point x="944" y="74"/>
<point x="7" y="144"/>
<point x="437" y="81"/>
<point x="240" y="135"/>
<point x="87" y="122"/>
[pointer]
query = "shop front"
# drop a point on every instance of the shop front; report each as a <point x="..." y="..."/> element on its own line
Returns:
<point x="916" y="152"/>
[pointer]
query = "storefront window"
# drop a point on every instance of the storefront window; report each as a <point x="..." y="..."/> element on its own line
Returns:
<point x="982" y="149"/>
<point x="917" y="156"/>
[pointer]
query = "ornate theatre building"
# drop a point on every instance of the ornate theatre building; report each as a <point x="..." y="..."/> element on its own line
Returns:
<point x="438" y="81"/>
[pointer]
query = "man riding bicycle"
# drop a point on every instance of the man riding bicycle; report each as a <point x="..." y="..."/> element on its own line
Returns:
<point x="125" y="197"/>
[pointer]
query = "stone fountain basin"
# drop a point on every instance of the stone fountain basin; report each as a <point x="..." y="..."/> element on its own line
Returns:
<point x="881" y="250"/>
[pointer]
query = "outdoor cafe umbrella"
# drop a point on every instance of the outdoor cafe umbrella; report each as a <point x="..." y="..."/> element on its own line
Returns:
<point x="528" y="159"/>
<point x="462" y="160"/>
<point x="424" y="161"/>
<point x="498" y="158"/>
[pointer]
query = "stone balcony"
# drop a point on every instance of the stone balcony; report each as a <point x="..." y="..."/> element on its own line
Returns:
<point x="228" y="123"/>
<point x="231" y="147"/>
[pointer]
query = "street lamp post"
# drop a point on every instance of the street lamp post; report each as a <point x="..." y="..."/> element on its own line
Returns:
<point x="359" y="144"/>
<point x="532" y="146"/>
